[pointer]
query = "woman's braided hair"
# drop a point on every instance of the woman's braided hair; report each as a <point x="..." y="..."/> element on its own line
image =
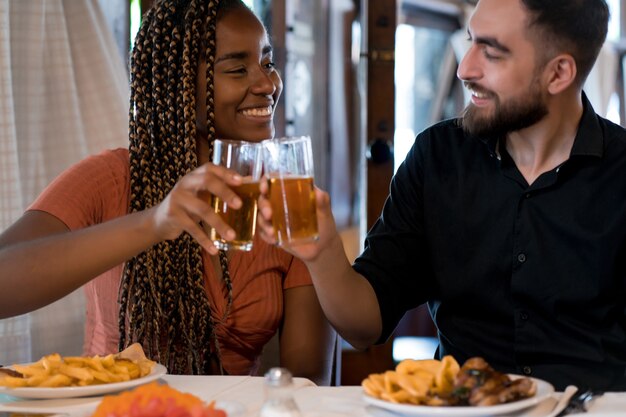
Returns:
<point x="163" y="302"/>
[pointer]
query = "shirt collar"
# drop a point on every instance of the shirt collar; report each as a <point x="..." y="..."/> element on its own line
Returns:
<point x="589" y="140"/>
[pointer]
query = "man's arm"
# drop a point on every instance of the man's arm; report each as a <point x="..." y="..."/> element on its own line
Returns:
<point x="307" y="341"/>
<point x="347" y="298"/>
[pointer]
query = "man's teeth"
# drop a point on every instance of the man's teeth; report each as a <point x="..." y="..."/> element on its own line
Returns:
<point x="259" y="111"/>
<point x="479" y="95"/>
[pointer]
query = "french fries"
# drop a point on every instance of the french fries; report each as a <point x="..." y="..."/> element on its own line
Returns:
<point x="418" y="382"/>
<point x="75" y="371"/>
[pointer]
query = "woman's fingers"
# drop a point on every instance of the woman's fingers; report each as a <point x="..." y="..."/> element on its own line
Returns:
<point x="188" y="206"/>
<point x="201" y="236"/>
<point x="215" y="180"/>
<point x="199" y="210"/>
<point x="264" y="218"/>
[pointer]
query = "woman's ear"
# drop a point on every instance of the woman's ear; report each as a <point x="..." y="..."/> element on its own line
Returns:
<point x="561" y="71"/>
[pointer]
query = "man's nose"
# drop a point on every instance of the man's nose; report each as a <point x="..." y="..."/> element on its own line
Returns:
<point x="469" y="67"/>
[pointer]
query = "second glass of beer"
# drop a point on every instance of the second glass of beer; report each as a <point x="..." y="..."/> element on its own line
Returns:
<point x="246" y="159"/>
<point x="288" y="164"/>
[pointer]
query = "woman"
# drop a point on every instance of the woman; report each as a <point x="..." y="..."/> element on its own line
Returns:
<point x="131" y="218"/>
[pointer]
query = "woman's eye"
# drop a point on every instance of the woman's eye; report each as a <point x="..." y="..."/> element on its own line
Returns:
<point x="270" y="65"/>
<point x="237" y="71"/>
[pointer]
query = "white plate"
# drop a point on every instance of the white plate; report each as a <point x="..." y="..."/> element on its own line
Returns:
<point x="86" y="391"/>
<point x="606" y="414"/>
<point x="544" y="390"/>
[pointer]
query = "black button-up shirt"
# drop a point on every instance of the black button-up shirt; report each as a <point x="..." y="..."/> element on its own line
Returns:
<point x="530" y="277"/>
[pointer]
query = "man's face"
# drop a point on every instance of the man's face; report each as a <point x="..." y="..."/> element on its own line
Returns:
<point x="501" y="71"/>
<point x="514" y="113"/>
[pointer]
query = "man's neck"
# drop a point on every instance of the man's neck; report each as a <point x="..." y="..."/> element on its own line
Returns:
<point x="548" y="143"/>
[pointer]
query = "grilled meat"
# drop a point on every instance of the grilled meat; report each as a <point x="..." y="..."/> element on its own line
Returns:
<point x="477" y="383"/>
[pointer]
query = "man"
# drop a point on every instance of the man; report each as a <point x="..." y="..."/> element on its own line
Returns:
<point x="510" y="222"/>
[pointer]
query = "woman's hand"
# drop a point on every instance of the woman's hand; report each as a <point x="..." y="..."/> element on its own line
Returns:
<point x="189" y="203"/>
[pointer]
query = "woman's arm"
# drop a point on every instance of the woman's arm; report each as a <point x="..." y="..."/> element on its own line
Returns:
<point x="307" y="341"/>
<point x="42" y="261"/>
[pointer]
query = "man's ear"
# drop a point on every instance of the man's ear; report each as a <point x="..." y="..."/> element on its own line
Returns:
<point x="561" y="73"/>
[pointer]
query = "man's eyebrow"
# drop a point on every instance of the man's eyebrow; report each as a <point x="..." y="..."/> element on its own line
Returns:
<point x="492" y="42"/>
<point x="489" y="41"/>
<point x="241" y="55"/>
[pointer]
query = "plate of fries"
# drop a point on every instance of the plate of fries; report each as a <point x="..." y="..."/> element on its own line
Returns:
<point x="56" y="376"/>
<point x="419" y="388"/>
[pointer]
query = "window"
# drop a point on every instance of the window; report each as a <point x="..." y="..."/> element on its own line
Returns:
<point x="425" y="73"/>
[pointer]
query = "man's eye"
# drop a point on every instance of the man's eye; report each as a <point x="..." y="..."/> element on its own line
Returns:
<point x="490" y="56"/>
<point x="270" y="65"/>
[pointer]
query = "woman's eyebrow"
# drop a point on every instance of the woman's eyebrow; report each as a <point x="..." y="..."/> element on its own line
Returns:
<point x="232" y="55"/>
<point x="241" y="55"/>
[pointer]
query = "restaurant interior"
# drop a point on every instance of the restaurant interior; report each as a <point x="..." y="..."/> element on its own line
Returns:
<point x="361" y="77"/>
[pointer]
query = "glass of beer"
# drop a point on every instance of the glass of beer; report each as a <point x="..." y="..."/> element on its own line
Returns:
<point x="288" y="165"/>
<point x="246" y="159"/>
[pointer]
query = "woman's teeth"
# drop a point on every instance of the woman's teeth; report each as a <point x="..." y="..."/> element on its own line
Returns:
<point x="257" y="112"/>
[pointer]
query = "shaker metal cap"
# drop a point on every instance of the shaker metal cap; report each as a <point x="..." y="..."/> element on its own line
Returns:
<point x="278" y="377"/>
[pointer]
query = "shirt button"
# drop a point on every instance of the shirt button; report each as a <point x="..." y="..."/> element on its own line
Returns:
<point x="527" y="195"/>
<point x="526" y="370"/>
<point x="521" y="258"/>
<point x="523" y="316"/>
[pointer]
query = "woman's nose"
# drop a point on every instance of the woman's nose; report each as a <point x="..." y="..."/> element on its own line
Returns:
<point x="469" y="68"/>
<point x="263" y="83"/>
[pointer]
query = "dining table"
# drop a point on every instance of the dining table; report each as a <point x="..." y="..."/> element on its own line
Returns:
<point x="243" y="396"/>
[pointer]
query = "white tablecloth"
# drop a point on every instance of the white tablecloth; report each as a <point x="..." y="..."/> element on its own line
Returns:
<point x="246" y="394"/>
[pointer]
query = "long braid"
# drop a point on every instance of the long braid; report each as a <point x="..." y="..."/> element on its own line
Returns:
<point x="163" y="302"/>
<point x="225" y="5"/>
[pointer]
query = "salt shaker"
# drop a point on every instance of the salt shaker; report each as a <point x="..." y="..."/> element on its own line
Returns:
<point x="279" y="400"/>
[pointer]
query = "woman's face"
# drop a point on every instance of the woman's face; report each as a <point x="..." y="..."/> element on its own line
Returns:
<point x="246" y="84"/>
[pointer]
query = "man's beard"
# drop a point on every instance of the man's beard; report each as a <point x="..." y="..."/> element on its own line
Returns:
<point x="510" y="116"/>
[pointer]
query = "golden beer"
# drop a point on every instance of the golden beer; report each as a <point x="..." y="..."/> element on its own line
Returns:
<point x="242" y="220"/>
<point x="293" y="206"/>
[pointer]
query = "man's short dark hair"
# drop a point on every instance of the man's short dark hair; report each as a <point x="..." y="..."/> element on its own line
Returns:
<point x="577" y="27"/>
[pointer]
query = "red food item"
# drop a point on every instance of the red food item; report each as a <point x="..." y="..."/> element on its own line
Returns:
<point x="155" y="400"/>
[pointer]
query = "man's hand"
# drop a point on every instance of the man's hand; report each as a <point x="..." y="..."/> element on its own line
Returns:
<point x="308" y="252"/>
